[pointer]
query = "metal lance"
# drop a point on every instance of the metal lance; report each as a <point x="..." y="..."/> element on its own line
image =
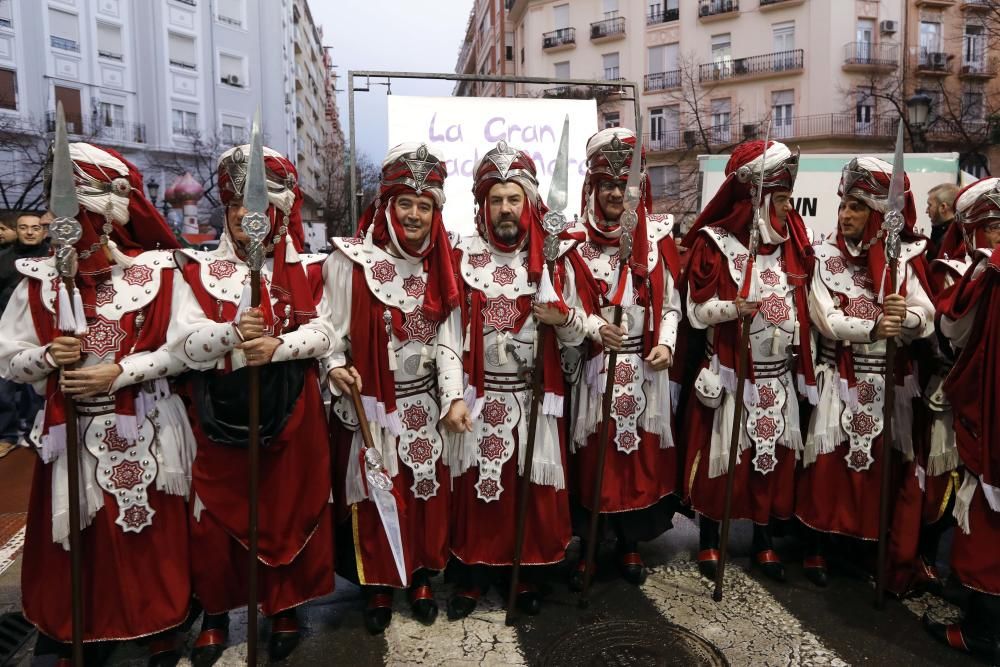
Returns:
<point x="742" y="371"/>
<point x="256" y="226"/>
<point x="65" y="232"/>
<point x="554" y="222"/>
<point x="627" y="222"/>
<point x="892" y="226"/>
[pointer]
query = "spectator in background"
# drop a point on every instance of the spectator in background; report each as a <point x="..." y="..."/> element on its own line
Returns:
<point x="18" y="403"/>
<point x="941" y="211"/>
<point x="46" y="220"/>
<point x="7" y="234"/>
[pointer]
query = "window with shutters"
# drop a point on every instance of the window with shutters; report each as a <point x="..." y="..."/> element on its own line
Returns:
<point x="782" y="108"/>
<point x="722" y="111"/>
<point x="109" y="41"/>
<point x="562" y="70"/>
<point x="184" y="123"/>
<point x="232" y="70"/>
<point x="233" y="134"/>
<point x="612" y="71"/>
<point x="5" y="14"/>
<point x="230" y="12"/>
<point x="560" y="17"/>
<point x="182" y="51"/>
<point x="612" y="119"/>
<point x="64" y="30"/>
<point x="112" y="115"/>
<point x="8" y="89"/>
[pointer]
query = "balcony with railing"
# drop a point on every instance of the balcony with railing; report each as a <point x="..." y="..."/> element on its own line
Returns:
<point x="934" y="3"/>
<point x="608" y="29"/>
<point x="773" y="4"/>
<point x="657" y="16"/>
<point x="976" y="5"/>
<point x="562" y="38"/>
<point x="710" y="10"/>
<point x="981" y="68"/>
<point x="662" y="81"/>
<point x="865" y="56"/>
<point x="64" y="44"/>
<point x="753" y="67"/>
<point x="840" y="126"/>
<point x="95" y="128"/>
<point x="933" y="62"/>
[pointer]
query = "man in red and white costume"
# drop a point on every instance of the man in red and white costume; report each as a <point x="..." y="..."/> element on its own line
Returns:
<point x="216" y="331"/>
<point x="640" y="475"/>
<point x="724" y="284"/>
<point x="935" y="450"/>
<point x="969" y="318"/>
<point x="390" y="291"/>
<point x="502" y="271"/>
<point x="854" y="313"/>
<point x="133" y="495"/>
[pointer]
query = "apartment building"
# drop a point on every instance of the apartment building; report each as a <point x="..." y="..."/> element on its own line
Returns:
<point x="165" y="81"/>
<point x="832" y="75"/>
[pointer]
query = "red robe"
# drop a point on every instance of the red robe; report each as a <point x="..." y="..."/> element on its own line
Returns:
<point x="972" y="390"/>
<point x="295" y="542"/>
<point x="134" y="584"/>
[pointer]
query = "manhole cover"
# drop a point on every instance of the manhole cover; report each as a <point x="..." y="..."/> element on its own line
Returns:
<point x="631" y="643"/>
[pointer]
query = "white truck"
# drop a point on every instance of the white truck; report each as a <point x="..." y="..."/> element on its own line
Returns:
<point x="815" y="194"/>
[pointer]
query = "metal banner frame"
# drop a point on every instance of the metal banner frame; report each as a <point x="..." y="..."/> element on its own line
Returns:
<point x="389" y="75"/>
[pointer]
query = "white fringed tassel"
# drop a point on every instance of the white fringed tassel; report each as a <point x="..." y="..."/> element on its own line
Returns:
<point x="502" y="337"/>
<point x="121" y="259"/>
<point x="754" y="294"/>
<point x="291" y="255"/>
<point x="628" y="294"/>
<point x="244" y="300"/>
<point x="546" y="292"/>
<point x="78" y="314"/>
<point x="391" y="351"/>
<point x="67" y="321"/>
<point x="775" y="339"/>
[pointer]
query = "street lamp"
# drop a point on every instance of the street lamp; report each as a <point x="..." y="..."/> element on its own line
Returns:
<point x="153" y="188"/>
<point x="918" y="108"/>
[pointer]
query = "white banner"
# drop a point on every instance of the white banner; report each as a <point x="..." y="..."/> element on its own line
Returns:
<point x="463" y="129"/>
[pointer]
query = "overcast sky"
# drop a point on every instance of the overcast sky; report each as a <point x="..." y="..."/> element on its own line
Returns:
<point x="389" y="35"/>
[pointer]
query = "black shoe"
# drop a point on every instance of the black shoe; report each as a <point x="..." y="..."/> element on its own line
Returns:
<point x="814" y="567"/>
<point x="633" y="569"/>
<point x="211" y="642"/>
<point x="953" y="636"/>
<point x="708" y="563"/>
<point x="422" y="602"/>
<point x="771" y="565"/>
<point x="463" y="603"/>
<point x="529" y="600"/>
<point x="577" y="576"/>
<point x="378" y="613"/>
<point x="163" y="650"/>
<point x="285" y="635"/>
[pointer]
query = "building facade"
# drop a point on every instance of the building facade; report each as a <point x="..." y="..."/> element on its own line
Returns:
<point x="168" y="83"/>
<point x="832" y="76"/>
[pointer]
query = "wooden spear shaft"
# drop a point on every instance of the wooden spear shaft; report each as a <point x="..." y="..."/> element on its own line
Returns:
<point x="253" y="427"/>
<point x="885" y="452"/>
<point x="529" y="457"/>
<point x="75" y="547"/>
<point x="742" y="364"/>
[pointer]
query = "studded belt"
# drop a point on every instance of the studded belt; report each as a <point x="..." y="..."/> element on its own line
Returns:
<point x="762" y="370"/>
<point x="94" y="406"/>
<point x="504" y="382"/>
<point x="421" y="385"/>
<point x="863" y="363"/>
